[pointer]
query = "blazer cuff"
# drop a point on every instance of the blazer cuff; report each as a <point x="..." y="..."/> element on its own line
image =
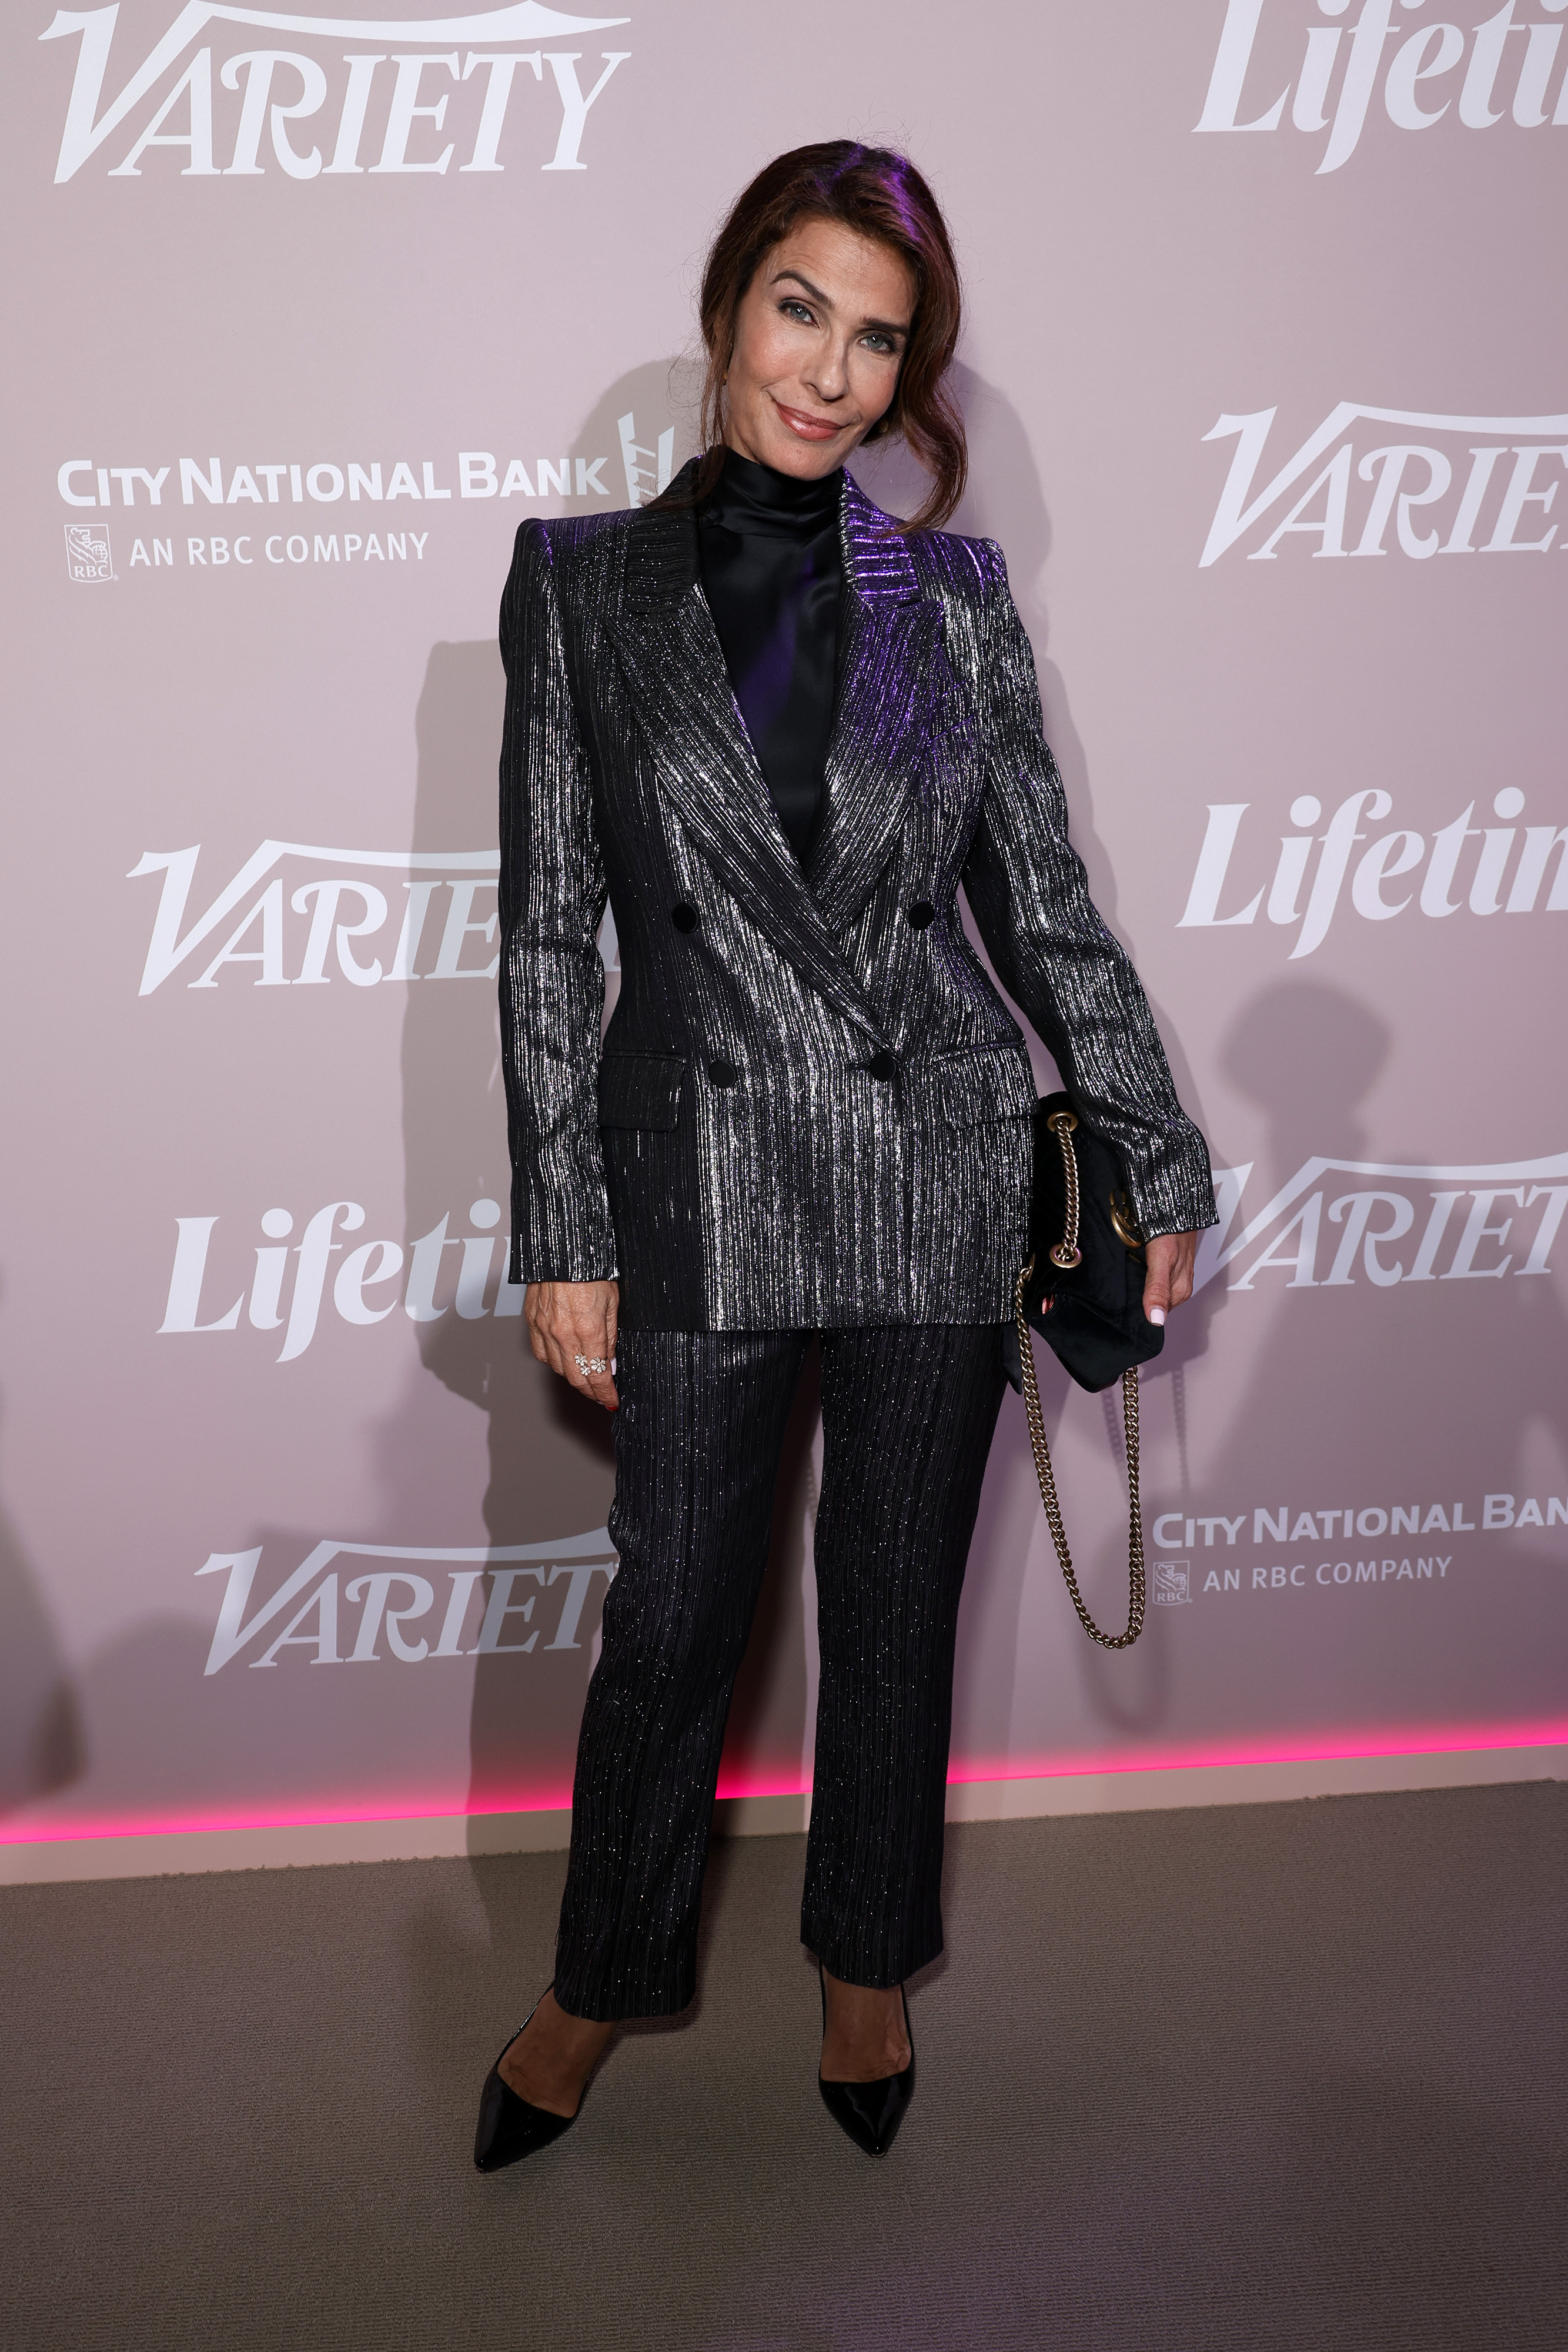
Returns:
<point x="1176" y="1197"/>
<point x="524" y="1266"/>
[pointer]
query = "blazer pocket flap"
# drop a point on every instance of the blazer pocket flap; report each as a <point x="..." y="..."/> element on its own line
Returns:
<point x="991" y="1082"/>
<point x="640" y="1090"/>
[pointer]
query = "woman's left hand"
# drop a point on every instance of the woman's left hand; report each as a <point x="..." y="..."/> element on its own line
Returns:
<point x="1169" y="1258"/>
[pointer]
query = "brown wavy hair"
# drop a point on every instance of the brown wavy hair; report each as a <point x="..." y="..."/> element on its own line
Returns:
<point x="878" y="194"/>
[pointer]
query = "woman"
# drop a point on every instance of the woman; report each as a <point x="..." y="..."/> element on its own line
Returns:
<point x="778" y="730"/>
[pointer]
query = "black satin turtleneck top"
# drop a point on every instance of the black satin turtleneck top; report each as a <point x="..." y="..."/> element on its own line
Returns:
<point x="771" y="571"/>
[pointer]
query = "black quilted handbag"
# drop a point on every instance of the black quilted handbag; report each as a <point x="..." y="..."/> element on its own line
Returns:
<point x="1082" y="1289"/>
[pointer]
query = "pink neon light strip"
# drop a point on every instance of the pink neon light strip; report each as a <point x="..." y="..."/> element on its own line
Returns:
<point x="1433" y="1742"/>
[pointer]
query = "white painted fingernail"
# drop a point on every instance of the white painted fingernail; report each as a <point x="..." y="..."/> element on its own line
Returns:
<point x="1157" y="1313"/>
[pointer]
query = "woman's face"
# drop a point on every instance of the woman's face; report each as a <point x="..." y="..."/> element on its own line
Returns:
<point x="820" y="336"/>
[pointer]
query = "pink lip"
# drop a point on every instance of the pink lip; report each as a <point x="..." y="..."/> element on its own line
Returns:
<point x="809" y="428"/>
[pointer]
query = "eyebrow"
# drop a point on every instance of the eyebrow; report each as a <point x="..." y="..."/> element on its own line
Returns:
<point x="884" y="326"/>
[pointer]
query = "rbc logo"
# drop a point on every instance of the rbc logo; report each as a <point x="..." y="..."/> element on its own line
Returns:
<point x="1171" y="1579"/>
<point x="87" y="552"/>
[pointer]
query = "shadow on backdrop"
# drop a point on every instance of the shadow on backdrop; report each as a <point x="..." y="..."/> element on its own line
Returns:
<point x="41" y="1742"/>
<point x="1312" y="1054"/>
<point x="549" y="1471"/>
<point x="1372" y="1395"/>
<point x="657" y="398"/>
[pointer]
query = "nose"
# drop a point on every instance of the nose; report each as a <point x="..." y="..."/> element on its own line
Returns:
<point x="828" y="374"/>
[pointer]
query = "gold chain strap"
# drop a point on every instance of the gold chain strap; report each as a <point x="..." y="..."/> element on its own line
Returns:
<point x="1047" y="1476"/>
<point x="1067" y="1253"/>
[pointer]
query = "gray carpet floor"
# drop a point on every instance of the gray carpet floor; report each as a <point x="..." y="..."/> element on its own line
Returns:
<point x="1239" y="2078"/>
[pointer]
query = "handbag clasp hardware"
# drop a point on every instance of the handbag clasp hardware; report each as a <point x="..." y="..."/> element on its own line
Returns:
<point x="1124" y="1223"/>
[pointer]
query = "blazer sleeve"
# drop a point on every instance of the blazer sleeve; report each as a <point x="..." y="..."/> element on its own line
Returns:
<point x="552" y="898"/>
<point x="1029" y="897"/>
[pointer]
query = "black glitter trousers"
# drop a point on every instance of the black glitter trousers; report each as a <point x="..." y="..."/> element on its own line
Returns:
<point x="908" y="1414"/>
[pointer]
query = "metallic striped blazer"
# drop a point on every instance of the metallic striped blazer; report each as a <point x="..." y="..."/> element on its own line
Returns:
<point x="812" y="1108"/>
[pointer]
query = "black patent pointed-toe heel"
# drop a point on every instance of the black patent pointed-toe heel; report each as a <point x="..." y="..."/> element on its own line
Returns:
<point x="510" y="2127"/>
<point x="870" y="2113"/>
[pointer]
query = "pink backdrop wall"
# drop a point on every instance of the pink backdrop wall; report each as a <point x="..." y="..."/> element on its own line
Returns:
<point x="1266" y="377"/>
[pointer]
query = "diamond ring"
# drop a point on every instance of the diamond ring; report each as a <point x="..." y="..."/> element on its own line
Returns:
<point x="590" y="1364"/>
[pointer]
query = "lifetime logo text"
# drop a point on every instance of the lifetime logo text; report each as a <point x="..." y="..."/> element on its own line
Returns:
<point x="428" y="1286"/>
<point x="1509" y="71"/>
<point x="1508" y="875"/>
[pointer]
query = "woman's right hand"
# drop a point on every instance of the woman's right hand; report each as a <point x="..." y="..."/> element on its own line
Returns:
<point x="569" y="1320"/>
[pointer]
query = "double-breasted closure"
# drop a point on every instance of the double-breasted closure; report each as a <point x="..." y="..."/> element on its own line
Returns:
<point x="812" y="1107"/>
